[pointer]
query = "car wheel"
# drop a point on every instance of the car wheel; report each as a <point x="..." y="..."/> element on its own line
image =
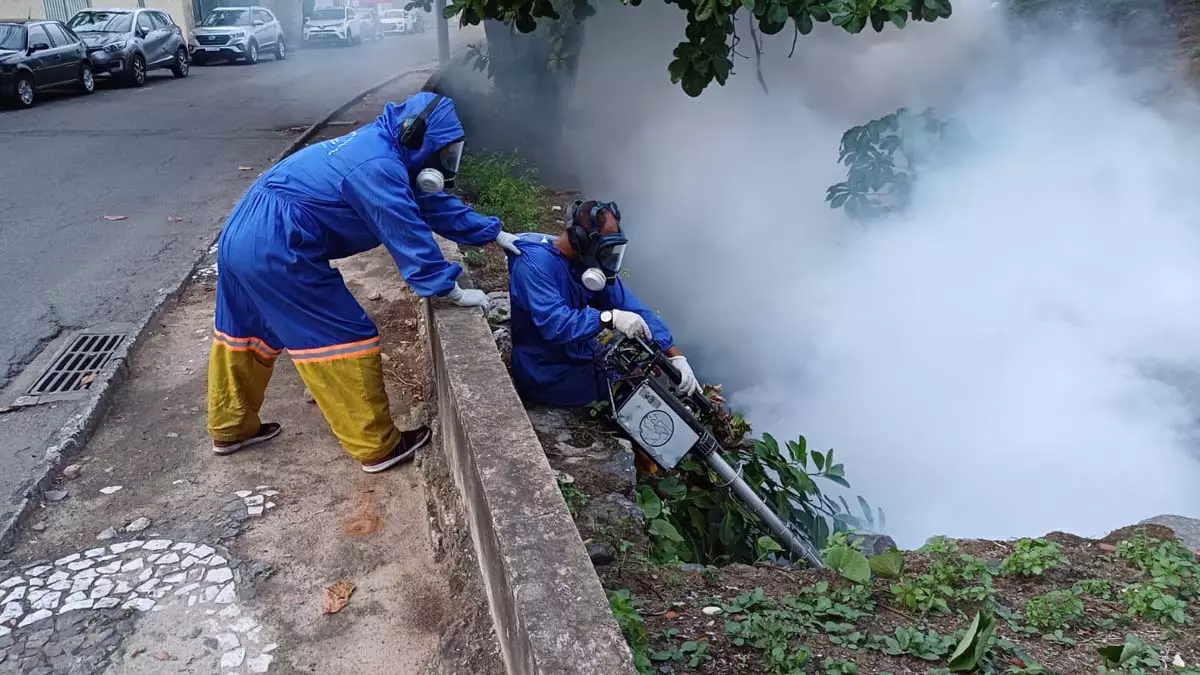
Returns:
<point x="280" y="50"/>
<point x="137" y="71"/>
<point x="183" y="63"/>
<point x="24" y="90"/>
<point x="87" y="79"/>
<point x="252" y="53"/>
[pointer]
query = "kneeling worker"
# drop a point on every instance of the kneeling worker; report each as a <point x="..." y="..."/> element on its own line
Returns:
<point x="564" y="291"/>
<point x="381" y="184"/>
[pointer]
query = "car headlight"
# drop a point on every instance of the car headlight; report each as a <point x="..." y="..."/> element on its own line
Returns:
<point x="114" y="47"/>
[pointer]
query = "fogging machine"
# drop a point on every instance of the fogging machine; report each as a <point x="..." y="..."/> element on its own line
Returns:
<point x="643" y="388"/>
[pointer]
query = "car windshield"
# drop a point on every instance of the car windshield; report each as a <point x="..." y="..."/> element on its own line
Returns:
<point x="328" y="14"/>
<point x="228" y="17"/>
<point x="12" y="36"/>
<point x="394" y="14"/>
<point x="101" y="22"/>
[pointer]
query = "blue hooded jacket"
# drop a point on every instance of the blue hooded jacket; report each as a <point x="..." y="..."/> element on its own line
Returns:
<point x="353" y="193"/>
<point x="555" y="321"/>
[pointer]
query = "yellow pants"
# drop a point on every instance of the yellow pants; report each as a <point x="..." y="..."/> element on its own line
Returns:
<point x="346" y="381"/>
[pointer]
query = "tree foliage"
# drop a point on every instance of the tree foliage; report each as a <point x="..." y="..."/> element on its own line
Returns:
<point x="706" y="55"/>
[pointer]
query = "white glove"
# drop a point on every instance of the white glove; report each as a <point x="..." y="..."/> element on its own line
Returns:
<point x="631" y="324"/>
<point x="507" y="241"/>
<point x="688" y="383"/>
<point x="469" y="297"/>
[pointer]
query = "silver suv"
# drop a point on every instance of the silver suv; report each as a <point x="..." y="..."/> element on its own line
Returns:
<point x="238" y="33"/>
<point x="126" y="43"/>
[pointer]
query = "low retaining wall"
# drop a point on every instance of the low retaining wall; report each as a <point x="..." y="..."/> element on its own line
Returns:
<point x="549" y="610"/>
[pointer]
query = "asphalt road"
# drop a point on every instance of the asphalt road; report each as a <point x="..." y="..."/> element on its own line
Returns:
<point x="168" y="151"/>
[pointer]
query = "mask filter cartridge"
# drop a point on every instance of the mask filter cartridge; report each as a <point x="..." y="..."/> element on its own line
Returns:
<point x="593" y="279"/>
<point x="431" y="181"/>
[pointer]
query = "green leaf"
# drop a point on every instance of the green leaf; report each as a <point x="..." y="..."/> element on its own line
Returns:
<point x="899" y="19"/>
<point x="804" y="23"/>
<point x="819" y="460"/>
<point x="974" y="645"/>
<point x="748" y="4"/>
<point x="888" y="565"/>
<point x="849" y="563"/>
<point x="661" y="528"/>
<point x="766" y="545"/>
<point x="649" y="502"/>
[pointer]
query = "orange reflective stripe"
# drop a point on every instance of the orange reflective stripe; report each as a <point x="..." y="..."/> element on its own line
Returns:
<point x="246" y="344"/>
<point x="317" y="351"/>
<point x="350" y="349"/>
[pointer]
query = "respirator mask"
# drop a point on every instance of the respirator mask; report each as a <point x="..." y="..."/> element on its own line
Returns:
<point x="600" y="254"/>
<point x="439" y="170"/>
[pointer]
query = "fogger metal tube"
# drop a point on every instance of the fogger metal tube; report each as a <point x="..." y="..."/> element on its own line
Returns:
<point x="748" y="496"/>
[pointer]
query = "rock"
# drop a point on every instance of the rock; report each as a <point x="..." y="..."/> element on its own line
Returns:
<point x="1187" y="530"/>
<point x="72" y="471"/>
<point x="374" y="295"/>
<point x="601" y="554"/>
<point x="109" y="533"/>
<point x="308" y="396"/>
<point x="38" y="527"/>
<point x="138" y="524"/>
<point x="55" y="495"/>
<point x="711" y="610"/>
<point x="500" y="310"/>
<point x="621" y="468"/>
<point x="691" y="567"/>
<point x="615" y="516"/>
<point x="111" y="489"/>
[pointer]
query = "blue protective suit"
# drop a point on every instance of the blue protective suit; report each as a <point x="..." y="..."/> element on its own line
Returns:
<point x="555" y="321"/>
<point x="276" y="289"/>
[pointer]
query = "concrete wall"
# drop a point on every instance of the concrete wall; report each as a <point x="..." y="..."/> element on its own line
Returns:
<point x="20" y="9"/>
<point x="550" y="613"/>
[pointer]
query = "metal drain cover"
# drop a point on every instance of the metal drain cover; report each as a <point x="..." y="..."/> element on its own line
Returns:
<point x="80" y="360"/>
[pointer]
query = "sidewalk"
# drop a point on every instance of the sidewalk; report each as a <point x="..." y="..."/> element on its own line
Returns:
<point x="154" y="556"/>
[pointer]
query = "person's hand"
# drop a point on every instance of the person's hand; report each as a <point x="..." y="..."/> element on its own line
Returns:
<point x="467" y="297"/>
<point x="508" y="242"/>
<point x="688" y="383"/>
<point x="631" y="324"/>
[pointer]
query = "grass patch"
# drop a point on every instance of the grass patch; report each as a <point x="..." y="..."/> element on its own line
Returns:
<point x="503" y="185"/>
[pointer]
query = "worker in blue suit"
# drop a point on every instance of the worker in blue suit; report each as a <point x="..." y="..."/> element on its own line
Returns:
<point x="564" y="291"/>
<point x="381" y="184"/>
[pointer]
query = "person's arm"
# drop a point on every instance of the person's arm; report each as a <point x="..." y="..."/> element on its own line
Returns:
<point x="450" y="217"/>
<point x="379" y="193"/>
<point x="616" y="296"/>
<point x="556" y="321"/>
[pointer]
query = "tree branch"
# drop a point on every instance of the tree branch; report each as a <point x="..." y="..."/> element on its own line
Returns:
<point x="758" y="57"/>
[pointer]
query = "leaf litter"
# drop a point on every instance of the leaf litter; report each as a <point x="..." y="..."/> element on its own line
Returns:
<point x="337" y="596"/>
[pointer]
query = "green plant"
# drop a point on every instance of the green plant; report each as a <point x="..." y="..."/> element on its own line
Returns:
<point x="633" y="627"/>
<point x="1032" y="557"/>
<point x="952" y="576"/>
<point x="928" y="646"/>
<point x="847" y="559"/>
<point x="839" y="667"/>
<point x="691" y="652"/>
<point x="597" y="409"/>
<point x="474" y="257"/>
<point x="572" y="495"/>
<point x="1129" y="657"/>
<point x="1169" y="564"/>
<point x="1155" y="604"/>
<point x="502" y="185"/>
<point x="1099" y="588"/>
<point x="1053" y="611"/>
<point x="974" y="645"/>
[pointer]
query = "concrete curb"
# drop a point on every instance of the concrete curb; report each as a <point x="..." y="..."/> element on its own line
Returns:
<point x="549" y="611"/>
<point x="76" y="432"/>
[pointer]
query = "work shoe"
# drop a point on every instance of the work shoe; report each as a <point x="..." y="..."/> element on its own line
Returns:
<point x="410" y="442"/>
<point x="265" y="433"/>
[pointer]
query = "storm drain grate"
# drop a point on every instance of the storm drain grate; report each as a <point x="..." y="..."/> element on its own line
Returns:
<point x="78" y="365"/>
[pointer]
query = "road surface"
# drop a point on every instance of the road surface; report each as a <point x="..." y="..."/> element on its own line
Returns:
<point x="166" y="159"/>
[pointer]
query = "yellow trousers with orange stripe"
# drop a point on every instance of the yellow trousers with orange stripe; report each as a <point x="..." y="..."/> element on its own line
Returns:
<point x="305" y="309"/>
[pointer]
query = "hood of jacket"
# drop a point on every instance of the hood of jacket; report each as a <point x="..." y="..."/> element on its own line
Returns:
<point x="443" y="126"/>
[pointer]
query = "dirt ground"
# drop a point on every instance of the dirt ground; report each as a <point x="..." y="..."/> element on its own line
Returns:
<point x="152" y="555"/>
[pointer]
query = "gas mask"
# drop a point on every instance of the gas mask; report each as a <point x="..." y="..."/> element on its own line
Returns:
<point x="439" y="171"/>
<point x="600" y="254"/>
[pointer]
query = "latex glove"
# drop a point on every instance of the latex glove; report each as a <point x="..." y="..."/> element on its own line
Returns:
<point x="688" y="383"/>
<point x="467" y="297"/>
<point x="631" y="324"/>
<point x="507" y="241"/>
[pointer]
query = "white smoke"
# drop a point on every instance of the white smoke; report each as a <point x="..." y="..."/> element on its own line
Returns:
<point x="990" y="364"/>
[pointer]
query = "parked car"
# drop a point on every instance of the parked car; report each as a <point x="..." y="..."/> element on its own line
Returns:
<point x="372" y="27"/>
<point x="36" y="55"/>
<point x="332" y="24"/>
<point x="127" y="43"/>
<point x="238" y="34"/>
<point x="400" y="21"/>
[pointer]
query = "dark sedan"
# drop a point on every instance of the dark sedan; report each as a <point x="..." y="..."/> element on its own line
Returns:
<point x="36" y="55"/>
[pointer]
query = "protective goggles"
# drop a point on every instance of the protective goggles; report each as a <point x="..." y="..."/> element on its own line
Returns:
<point x="610" y="253"/>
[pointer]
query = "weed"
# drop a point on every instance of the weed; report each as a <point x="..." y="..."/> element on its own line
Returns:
<point x="1169" y="564"/>
<point x="1032" y="557"/>
<point x="474" y="257"/>
<point x="1134" y="657"/>
<point x="633" y="627"/>
<point x="952" y="576"/>
<point x="1053" y="611"/>
<point x="839" y="667"/>
<point x="692" y="652"/>
<point x="503" y="185"/>
<point x="913" y="642"/>
<point x="576" y="499"/>
<point x="1155" y="604"/>
<point x="1097" y="588"/>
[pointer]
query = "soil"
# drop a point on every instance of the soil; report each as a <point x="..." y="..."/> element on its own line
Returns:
<point x="674" y="598"/>
<point x="489" y="267"/>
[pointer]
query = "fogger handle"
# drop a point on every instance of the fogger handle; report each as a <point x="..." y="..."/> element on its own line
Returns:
<point x="699" y="399"/>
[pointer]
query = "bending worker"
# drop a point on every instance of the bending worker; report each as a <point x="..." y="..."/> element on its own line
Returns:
<point x="381" y="184"/>
<point x="564" y="291"/>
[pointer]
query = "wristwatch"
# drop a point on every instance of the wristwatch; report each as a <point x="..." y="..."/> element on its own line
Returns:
<point x="606" y="319"/>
